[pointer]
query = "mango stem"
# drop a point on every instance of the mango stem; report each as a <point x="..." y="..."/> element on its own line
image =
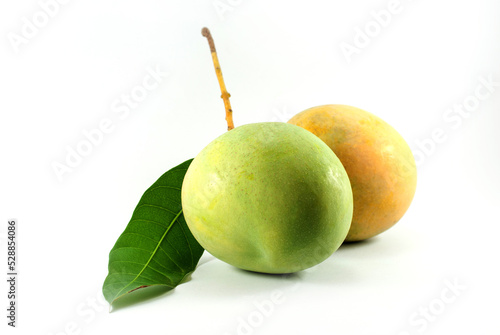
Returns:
<point x="225" y="94"/>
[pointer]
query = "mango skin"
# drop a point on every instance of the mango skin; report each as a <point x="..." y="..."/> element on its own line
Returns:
<point x="268" y="197"/>
<point x="380" y="165"/>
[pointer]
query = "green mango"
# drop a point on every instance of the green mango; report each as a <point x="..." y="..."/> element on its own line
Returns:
<point x="268" y="197"/>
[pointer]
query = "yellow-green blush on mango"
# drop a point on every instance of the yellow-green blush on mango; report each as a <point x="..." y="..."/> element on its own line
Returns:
<point x="268" y="197"/>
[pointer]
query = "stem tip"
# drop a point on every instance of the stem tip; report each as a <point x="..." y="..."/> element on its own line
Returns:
<point x="205" y="32"/>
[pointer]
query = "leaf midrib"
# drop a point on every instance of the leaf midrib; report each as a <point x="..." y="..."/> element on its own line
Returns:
<point x="152" y="255"/>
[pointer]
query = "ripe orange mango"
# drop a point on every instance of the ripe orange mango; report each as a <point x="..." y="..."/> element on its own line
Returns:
<point x="378" y="161"/>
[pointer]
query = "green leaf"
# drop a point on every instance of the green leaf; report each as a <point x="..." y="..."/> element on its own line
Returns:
<point x="156" y="247"/>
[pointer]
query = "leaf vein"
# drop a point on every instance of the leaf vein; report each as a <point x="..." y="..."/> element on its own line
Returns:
<point x="153" y="253"/>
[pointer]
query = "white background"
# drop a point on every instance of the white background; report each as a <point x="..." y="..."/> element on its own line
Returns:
<point x="278" y="58"/>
